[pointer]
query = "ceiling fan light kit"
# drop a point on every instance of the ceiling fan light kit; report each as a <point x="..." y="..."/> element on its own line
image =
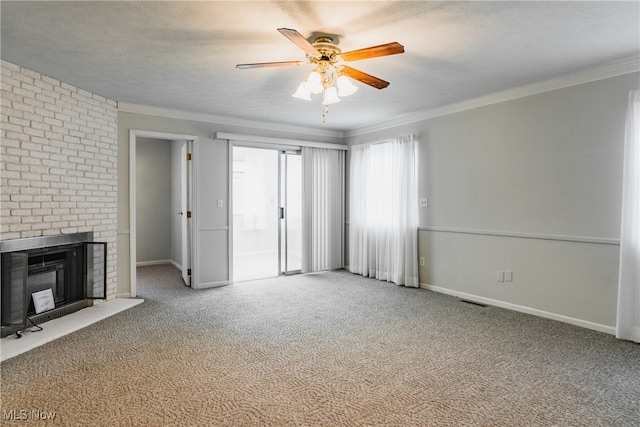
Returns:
<point x="330" y="77"/>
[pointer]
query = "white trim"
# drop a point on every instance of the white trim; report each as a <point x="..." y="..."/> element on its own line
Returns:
<point x="228" y="121"/>
<point x="133" y="135"/>
<point x="277" y="141"/>
<point x="230" y="210"/>
<point x="279" y="147"/>
<point x="158" y="262"/>
<point x="605" y="71"/>
<point x="217" y="228"/>
<point x="132" y="213"/>
<point x="214" y="284"/>
<point x="193" y="202"/>
<point x="522" y="309"/>
<point x="557" y="237"/>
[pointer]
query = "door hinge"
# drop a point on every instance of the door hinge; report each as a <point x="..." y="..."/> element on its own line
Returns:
<point x="188" y="214"/>
<point x="188" y="156"/>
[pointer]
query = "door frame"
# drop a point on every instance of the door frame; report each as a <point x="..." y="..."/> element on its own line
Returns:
<point x="283" y="202"/>
<point x="133" y="135"/>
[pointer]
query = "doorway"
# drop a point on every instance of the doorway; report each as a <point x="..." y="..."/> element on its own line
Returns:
<point x="174" y="209"/>
<point x="267" y="212"/>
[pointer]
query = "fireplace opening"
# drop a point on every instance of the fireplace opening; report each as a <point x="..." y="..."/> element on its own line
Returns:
<point x="56" y="269"/>
<point x="71" y="266"/>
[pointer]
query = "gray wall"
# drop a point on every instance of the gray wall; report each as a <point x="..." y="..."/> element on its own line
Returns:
<point x="535" y="186"/>
<point x="153" y="202"/>
<point x="212" y="179"/>
<point x="531" y="185"/>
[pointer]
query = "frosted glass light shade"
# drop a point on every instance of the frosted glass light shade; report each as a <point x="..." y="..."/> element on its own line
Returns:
<point x="330" y="96"/>
<point x="302" y="93"/>
<point x="345" y="87"/>
<point x="313" y="83"/>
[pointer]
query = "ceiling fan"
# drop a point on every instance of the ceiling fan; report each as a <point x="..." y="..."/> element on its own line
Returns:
<point x="330" y="77"/>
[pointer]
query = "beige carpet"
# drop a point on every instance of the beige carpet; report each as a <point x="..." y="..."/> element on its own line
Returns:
<point x="326" y="349"/>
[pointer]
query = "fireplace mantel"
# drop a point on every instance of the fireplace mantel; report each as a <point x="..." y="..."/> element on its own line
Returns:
<point x="28" y="243"/>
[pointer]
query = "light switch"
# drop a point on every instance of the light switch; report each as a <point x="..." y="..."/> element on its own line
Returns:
<point x="219" y="203"/>
<point x="500" y="276"/>
<point x="508" y="276"/>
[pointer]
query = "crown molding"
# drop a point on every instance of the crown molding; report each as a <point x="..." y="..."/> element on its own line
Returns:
<point x="126" y="107"/>
<point x="605" y="71"/>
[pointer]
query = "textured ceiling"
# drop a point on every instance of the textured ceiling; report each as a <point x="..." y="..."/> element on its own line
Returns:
<point x="182" y="55"/>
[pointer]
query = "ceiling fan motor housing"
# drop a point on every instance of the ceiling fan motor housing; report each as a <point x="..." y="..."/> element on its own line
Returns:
<point x="329" y="51"/>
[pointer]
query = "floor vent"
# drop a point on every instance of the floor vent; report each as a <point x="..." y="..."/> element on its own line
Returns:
<point x="473" y="303"/>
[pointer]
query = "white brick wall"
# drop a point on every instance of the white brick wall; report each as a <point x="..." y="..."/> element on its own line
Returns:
<point x="58" y="152"/>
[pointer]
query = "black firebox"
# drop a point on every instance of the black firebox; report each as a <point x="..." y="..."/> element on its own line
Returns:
<point x="71" y="266"/>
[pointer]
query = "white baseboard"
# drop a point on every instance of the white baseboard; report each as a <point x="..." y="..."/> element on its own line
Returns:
<point x="208" y="285"/>
<point x="522" y="309"/>
<point x="159" y="262"/>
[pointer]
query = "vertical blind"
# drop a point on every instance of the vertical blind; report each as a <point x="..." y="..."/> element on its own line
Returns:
<point x="322" y="209"/>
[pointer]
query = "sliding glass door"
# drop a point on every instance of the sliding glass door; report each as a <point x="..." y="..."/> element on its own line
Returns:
<point x="267" y="211"/>
<point x="291" y="213"/>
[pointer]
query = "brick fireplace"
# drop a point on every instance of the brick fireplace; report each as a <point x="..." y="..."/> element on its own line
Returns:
<point x="59" y="172"/>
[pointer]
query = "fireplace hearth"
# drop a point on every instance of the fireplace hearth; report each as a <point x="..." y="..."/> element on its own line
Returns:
<point x="71" y="266"/>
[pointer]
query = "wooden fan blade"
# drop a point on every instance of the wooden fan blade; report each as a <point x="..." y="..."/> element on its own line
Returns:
<point x="373" y="51"/>
<point x="269" y="64"/>
<point x="299" y="41"/>
<point x="363" y="77"/>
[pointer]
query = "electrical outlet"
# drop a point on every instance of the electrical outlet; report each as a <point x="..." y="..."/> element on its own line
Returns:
<point x="422" y="261"/>
<point x="424" y="203"/>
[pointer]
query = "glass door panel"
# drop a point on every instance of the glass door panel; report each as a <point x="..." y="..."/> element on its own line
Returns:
<point x="255" y="213"/>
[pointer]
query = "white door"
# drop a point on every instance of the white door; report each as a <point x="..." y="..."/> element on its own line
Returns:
<point x="185" y="181"/>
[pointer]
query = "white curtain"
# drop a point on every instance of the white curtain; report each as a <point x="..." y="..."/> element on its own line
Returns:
<point x="383" y="210"/>
<point x="628" y="314"/>
<point x="322" y="209"/>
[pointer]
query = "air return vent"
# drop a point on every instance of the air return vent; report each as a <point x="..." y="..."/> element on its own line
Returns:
<point x="473" y="303"/>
